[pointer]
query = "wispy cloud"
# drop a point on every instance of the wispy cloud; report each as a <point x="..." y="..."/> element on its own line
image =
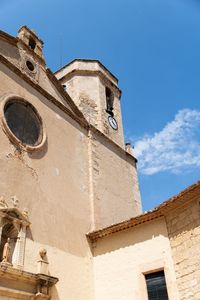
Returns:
<point x="175" y="148"/>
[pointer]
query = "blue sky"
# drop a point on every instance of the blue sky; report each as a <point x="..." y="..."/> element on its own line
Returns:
<point x="153" y="47"/>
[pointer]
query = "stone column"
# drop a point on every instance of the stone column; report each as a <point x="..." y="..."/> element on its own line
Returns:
<point x="2" y="223"/>
<point x="1" y="227"/>
<point x="18" y="254"/>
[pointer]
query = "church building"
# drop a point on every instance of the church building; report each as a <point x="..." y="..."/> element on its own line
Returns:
<point x="71" y="220"/>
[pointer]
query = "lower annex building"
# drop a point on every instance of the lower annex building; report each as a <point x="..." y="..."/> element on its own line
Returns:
<point x="71" y="223"/>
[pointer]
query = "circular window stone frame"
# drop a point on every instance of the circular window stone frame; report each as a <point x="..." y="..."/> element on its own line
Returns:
<point x="30" y="66"/>
<point x="12" y="137"/>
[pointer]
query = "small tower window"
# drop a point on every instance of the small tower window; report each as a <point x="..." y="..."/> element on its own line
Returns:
<point x="32" y="43"/>
<point x="109" y="101"/>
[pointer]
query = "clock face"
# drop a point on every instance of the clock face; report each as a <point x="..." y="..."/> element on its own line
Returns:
<point x="113" y="122"/>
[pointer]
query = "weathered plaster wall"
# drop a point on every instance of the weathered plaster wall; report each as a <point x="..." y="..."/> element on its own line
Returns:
<point x="78" y="181"/>
<point x="86" y="86"/>
<point x="115" y="135"/>
<point x="116" y="195"/>
<point x="84" y="90"/>
<point x="120" y="260"/>
<point x="53" y="185"/>
<point x="184" y="232"/>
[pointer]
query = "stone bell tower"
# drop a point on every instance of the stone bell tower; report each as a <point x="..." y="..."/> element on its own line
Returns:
<point x="95" y="91"/>
<point x="114" y="190"/>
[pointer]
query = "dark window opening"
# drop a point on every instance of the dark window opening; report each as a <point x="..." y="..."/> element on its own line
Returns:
<point x="109" y="101"/>
<point x="156" y="286"/>
<point x="30" y="66"/>
<point x="23" y="122"/>
<point x="64" y="87"/>
<point x="32" y="43"/>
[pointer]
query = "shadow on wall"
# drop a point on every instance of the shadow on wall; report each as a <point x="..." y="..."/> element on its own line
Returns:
<point x="54" y="293"/>
<point x="40" y="153"/>
<point x="132" y="236"/>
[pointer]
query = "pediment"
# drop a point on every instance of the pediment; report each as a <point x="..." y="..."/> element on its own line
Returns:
<point x="15" y="55"/>
<point x="14" y="213"/>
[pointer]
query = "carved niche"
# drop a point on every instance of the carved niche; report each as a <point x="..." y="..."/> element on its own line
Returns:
<point x="13" y="227"/>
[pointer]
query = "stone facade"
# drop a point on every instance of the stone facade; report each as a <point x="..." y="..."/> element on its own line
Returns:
<point x="85" y="81"/>
<point x="66" y="182"/>
<point x="166" y="238"/>
<point x="71" y="223"/>
<point x="184" y="234"/>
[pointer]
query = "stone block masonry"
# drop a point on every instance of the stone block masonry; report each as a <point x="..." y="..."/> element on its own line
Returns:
<point x="184" y="233"/>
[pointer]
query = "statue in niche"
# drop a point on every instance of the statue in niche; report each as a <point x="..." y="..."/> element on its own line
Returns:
<point x="6" y="252"/>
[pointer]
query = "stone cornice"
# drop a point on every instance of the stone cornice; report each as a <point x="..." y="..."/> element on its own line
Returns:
<point x="89" y="60"/>
<point x="38" y="283"/>
<point x="92" y="73"/>
<point x="187" y="195"/>
<point x="9" y="272"/>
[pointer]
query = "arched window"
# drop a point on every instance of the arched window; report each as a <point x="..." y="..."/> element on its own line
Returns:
<point x="109" y="101"/>
<point x="32" y="43"/>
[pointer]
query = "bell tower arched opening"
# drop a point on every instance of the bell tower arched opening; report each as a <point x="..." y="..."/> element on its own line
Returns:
<point x="109" y="101"/>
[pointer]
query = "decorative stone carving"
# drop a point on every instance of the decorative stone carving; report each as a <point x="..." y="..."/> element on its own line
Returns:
<point x="6" y="252"/>
<point x="30" y="286"/>
<point x="43" y="253"/>
<point x="25" y="213"/>
<point x="3" y="203"/>
<point x="13" y="225"/>
<point x="15" y="201"/>
<point x="43" y="262"/>
<point x="18" y="254"/>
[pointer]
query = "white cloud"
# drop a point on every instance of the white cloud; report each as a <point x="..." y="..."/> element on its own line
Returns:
<point x="175" y="148"/>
